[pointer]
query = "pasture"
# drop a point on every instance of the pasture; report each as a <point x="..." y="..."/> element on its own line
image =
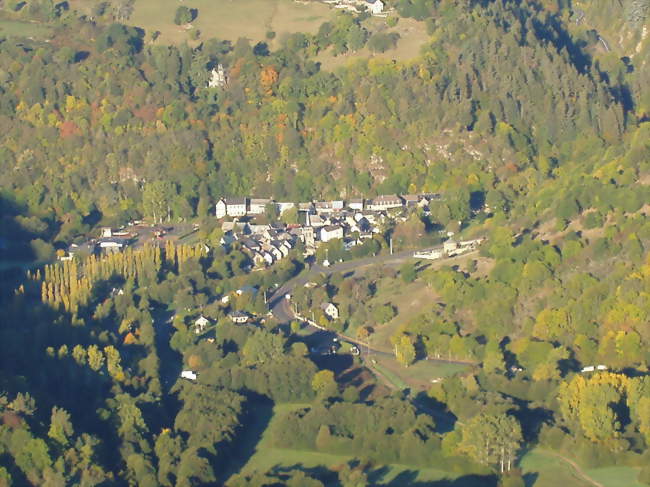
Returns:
<point x="229" y="19"/>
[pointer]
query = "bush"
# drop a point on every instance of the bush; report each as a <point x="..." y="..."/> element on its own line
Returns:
<point x="384" y="313"/>
<point x="408" y="272"/>
<point x="185" y="15"/>
<point x="382" y="42"/>
<point x="594" y="220"/>
<point x="392" y="21"/>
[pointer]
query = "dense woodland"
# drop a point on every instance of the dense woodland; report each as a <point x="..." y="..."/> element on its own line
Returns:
<point x="537" y="136"/>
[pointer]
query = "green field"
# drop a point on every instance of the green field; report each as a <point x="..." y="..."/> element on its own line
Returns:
<point x="615" y="476"/>
<point x="252" y="19"/>
<point x="266" y="458"/>
<point x="548" y="470"/>
<point x="226" y="19"/>
<point x="18" y="28"/>
<point x="545" y="470"/>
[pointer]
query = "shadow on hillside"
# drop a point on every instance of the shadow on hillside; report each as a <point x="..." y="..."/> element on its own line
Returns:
<point x="260" y="412"/>
<point x="377" y="477"/>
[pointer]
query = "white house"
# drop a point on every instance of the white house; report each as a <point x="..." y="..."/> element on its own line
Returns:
<point x="327" y="206"/>
<point x="220" y="208"/>
<point x="375" y="7"/>
<point x="331" y="232"/>
<point x="356" y="204"/>
<point x="257" y="206"/>
<point x="112" y="244"/>
<point x="200" y="324"/>
<point x="236" y="206"/>
<point x="189" y="375"/>
<point x="385" y="202"/>
<point x="330" y="310"/>
<point x="230" y="207"/>
<point x="238" y="317"/>
<point x="218" y="77"/>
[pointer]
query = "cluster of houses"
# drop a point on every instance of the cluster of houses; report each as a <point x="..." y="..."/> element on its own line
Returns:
<point x="450" y="248"/>
<point x="374" y="7"/>
<point x="110" y="241"/>
<point x="237" y="317"/>
<point x="264" y="244"/>
<point x="241" y="206"/>
<point x="353" y="221"/>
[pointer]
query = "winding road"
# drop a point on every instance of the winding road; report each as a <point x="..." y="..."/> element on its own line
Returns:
<point x="282" y="311"/>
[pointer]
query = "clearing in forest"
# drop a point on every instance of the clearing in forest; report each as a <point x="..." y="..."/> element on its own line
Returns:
<point x="226" y="19"/>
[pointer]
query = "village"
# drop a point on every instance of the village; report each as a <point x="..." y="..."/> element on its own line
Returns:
<point x="267" y="230"/>
<point x="374" y="7"/>
<point x="353" y="221"/>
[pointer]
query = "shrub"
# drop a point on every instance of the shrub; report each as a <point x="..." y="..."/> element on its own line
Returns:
<point x="184" y="15"/>
<point x="382" y="42"/>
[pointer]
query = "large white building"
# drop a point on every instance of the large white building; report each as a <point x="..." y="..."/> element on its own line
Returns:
<point x="230" y="207"/>
<point x="385" y="202"/>
<point x="331" y="232"/>
<point x="257" y="206"/>
<point x="375" y="7"/>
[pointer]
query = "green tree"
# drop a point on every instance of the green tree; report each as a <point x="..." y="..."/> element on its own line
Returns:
<point x="404" y="350"/>
<point x="492" y="439"/>
<point x="408" y="272"/>
<point x="323" y="383"/>
<point x="60" y="426"/>
<point x="157" y="199"/>
<point x="184" y="15"/>
<point x="263" y="346"/>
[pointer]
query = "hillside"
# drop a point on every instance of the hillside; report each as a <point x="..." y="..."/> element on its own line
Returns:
<point x="521" y="124"/>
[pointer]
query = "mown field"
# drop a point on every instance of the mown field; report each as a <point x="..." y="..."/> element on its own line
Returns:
<point x="544" y="469"/>
<point x="19" y="28"/>
<point x="226" y="19"/>
<point x="252" y="19"/>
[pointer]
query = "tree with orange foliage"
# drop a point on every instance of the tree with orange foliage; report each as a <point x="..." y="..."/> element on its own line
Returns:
<point x="268" y="77"/>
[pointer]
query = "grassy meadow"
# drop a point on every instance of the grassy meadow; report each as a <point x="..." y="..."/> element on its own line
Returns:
<point x="544" y="469"/>
<point x="252" y="19"/>
<point x="18" y="28"/>
<point x="230" y="19"/>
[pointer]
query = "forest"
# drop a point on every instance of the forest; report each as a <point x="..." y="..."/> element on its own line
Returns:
<point x="531" y="118"/>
